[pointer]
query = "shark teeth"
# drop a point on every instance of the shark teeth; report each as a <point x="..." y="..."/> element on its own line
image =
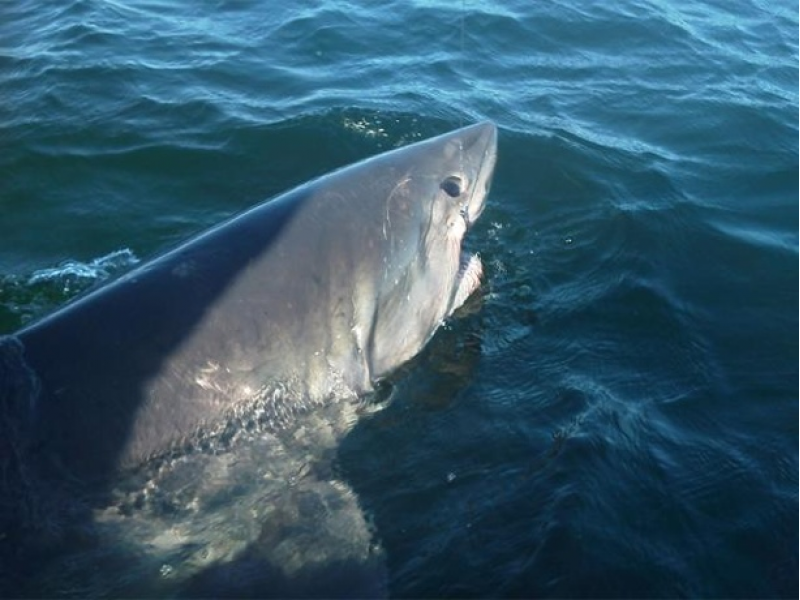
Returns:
<point x="469" y="278"/>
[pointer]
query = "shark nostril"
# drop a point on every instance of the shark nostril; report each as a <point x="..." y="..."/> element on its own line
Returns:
<point x="452" y="186"/>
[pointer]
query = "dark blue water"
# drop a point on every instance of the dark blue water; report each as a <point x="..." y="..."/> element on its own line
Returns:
<point x="618" y="415"/>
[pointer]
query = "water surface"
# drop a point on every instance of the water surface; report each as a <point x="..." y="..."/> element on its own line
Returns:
<point x="618" y="415"/>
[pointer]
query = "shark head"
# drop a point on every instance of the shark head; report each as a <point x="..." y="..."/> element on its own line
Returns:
<point x="428" y="195"/>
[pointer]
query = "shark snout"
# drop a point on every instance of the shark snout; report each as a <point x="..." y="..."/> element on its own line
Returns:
<point x="479" y="144"/>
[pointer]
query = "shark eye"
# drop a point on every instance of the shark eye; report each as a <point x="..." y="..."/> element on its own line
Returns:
<point x="452" y="186"/>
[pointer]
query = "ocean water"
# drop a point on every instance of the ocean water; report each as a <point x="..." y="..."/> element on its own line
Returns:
<point x="617" y="414"/>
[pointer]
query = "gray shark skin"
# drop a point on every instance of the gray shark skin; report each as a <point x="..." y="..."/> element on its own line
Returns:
<point x="296" y="304"/>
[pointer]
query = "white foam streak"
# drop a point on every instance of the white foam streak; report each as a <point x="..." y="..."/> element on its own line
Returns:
<point x="72" y="273"/>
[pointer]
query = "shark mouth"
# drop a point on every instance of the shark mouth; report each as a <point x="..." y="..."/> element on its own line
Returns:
<point x="468" y="279"/>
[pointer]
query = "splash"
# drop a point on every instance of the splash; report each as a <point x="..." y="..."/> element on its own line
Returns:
<point x="73" y="276"/>
<point x="25" y="297"/>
